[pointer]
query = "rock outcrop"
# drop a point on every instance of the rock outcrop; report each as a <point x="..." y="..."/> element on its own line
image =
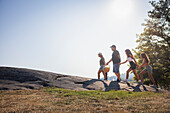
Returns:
<point x="22" y="79"/>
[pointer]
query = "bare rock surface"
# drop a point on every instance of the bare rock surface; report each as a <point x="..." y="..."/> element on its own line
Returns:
<point x="23" y="79"/>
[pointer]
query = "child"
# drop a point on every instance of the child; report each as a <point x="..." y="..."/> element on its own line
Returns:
<point x="133" y="65"/>
<point x="148" y="68"/>
<point x="102" y="65"/>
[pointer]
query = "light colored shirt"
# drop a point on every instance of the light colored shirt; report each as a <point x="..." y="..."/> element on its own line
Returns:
<point x="129" y="59"/>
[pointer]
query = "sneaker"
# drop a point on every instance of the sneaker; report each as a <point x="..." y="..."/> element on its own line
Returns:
<point x="139" y="81"/>
<point x="118" y="80"/>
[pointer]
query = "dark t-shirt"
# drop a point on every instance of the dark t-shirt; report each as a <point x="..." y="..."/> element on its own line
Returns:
<point x="102" y="61"/>
<point x="115" y="57"/>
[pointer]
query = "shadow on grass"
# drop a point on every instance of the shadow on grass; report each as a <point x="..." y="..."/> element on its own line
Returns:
<point x="112" y="86"/>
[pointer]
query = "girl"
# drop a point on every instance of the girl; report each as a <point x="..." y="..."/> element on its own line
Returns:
<point x="148" y="68"/>
<point x="102" y="65"/>
<point x="133" y="65"/>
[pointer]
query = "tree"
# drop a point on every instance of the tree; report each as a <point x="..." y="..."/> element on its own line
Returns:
<point x="155" y="41"/>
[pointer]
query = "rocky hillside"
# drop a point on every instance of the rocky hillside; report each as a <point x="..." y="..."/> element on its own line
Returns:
<point x="22" y="79"/>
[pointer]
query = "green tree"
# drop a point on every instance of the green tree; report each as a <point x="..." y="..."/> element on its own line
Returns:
<point x="155" y="41"/>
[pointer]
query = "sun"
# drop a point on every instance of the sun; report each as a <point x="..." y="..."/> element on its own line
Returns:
<point x="122" y="8"/>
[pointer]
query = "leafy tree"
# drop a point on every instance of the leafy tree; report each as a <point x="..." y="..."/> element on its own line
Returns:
<point x="155" y="41"/>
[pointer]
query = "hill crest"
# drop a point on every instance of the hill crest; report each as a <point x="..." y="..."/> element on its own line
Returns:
<point x="23" y="79"/>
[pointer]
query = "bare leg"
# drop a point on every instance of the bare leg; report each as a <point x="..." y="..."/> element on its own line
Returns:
<point x="141" y="75"/>
<point x="127" y="73"/>
<point x="99" y="74"/>
<point x="134" y="71"/>
<point x="152" y="79"/>
<point x="118" y="75"/>
<point x="104" y="73"/>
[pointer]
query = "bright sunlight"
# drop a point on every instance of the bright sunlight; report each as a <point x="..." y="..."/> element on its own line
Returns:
<point x="122" y="8"/>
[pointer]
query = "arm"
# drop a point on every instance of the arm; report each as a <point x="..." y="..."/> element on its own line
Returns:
<point x="134" y="60"/>
<point x="118" y="56"/>
<point x="108" y="61"/>
<point x="123" y="62"/>
<point x="136" y="63"/>
<point x="104" y="61"/>
<point x="142" y="63"/>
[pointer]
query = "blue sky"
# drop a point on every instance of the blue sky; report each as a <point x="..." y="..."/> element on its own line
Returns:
<point x="65" y="36"/>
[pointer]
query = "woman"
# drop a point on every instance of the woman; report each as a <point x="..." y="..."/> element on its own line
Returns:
<point x="102" y="66"/>
<point x="148" y="68"/>
<point x="133" y="65"/>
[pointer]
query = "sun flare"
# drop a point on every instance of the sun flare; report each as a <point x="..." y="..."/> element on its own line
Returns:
<point x="122" y="8"/>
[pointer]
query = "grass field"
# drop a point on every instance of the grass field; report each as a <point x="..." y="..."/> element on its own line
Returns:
<point x="62" y="100"/>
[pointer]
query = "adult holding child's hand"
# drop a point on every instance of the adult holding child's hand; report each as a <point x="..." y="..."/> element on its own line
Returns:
<point x="116" y="60"/>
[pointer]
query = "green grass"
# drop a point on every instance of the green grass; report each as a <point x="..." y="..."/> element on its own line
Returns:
<point x="69" y="101"/>
<point x="99" y="94"/>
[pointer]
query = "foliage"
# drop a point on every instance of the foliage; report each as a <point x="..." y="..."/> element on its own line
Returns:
<point x="155" y="41"/>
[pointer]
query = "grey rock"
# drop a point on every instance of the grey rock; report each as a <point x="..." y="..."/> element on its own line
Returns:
<point x="24" y="79"/>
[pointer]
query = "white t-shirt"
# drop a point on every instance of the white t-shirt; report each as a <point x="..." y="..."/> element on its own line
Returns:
<point x="129" y="59"/>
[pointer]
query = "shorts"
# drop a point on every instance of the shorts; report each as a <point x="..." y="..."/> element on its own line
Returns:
<point x="102" y="67"/>
<point x="132" y="65"/>
<point x="116" y="68"/>
<point x="148" y="69"/>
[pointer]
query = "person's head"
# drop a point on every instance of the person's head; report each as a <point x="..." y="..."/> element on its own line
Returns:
<point x="113" y="47"/>
<point x="100" y="55"/>
<point x="128" y="53"/>
<point x="145" y="56"/>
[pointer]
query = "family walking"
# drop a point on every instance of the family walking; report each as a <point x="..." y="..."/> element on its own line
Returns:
<point x="133" y="65"/>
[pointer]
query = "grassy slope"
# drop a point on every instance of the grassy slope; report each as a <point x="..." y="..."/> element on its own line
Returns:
<point x="62" y="100"/>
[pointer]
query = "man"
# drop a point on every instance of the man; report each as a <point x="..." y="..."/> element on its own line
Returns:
<point x="116" y="60"/>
